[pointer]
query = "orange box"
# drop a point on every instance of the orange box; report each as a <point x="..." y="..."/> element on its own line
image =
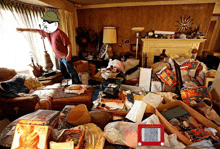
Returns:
<point x="31" y="136"/>
<point x="171" y="129"/>
<point x="73" y="135"/>
<point x="33" y="130"/>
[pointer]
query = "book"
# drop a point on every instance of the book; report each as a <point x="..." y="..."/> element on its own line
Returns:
<point x="34" y="130"/>
<point x="31" y="136"/>
<point x="41" y="117"/>
<point x="77" y="136"/>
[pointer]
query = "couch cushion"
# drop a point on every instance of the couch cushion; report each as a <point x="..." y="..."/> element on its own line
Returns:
<point x="6" y="74"/>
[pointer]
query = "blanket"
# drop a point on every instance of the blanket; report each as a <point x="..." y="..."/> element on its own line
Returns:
<point x="45" y="96"/>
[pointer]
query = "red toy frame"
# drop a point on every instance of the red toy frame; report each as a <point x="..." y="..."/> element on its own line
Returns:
<point x="156" y="143"/>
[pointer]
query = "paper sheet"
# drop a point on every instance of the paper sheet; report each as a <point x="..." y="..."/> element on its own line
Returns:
<point x="114" y="105"/>
<point x="153" y="99"/>
<point x="137" y="111"/>
<point x="61" y="145"/>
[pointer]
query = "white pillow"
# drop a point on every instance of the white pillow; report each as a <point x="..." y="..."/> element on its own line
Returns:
<point x="130" y="63"/>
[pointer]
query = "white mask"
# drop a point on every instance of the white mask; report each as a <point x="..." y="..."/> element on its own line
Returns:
<point x="49" y="27"/>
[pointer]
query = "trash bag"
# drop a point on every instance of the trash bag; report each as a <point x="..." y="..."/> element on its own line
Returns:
<point x="122" y="133"/>
<point x="93" y="136"/>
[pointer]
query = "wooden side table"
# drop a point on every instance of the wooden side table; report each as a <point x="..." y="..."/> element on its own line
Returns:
<point x="57" y="78"/>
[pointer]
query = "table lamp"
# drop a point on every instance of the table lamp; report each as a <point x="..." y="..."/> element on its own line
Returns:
<point x="137" y="30"/>
<point x="109" y="37"/>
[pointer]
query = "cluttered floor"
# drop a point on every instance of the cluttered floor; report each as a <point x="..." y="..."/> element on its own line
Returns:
<point x="175" y="113"/>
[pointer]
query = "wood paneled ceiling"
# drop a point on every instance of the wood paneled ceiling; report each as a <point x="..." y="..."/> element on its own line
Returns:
<point x="84" y="4"/>
<point x="94" y="2"/>
<point x="98" y="2"/>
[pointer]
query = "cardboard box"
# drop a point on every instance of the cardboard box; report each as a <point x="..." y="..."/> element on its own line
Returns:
<point x="171" y="129"/>
<point x="33" y="130"/>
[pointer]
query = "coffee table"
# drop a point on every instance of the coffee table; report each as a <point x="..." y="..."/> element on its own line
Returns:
<point x="61" y="99"/>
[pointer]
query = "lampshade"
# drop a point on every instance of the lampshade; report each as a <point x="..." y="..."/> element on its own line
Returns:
<point x="138" y="29"/>
<point x="109" y="35"/>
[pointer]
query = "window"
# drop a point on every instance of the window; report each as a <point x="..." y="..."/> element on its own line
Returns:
<point x="16" y="47"/>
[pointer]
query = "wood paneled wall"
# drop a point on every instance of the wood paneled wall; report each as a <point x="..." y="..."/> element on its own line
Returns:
<point x="160" y="17"/>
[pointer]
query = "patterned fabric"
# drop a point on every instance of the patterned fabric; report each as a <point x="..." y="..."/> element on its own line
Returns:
<point x="61" y="94"/>
<point x="195" y="93"/>
<point x="167" y="77"/>
<point x="32" y="83"/>
<point x="103" y="50"/>
<point x="80" y="91"/>
<point x="185" y="74"/>
<point x="190" y="64"/>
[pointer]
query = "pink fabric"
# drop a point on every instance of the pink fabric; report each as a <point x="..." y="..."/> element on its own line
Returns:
<point x="59" y="41"/>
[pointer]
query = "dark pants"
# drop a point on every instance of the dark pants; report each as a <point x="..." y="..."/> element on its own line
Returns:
<point x="68" y="70"/>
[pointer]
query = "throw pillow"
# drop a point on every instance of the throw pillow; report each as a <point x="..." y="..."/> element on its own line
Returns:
<point x="6" y="74"/>
<point x="167" y="77"/>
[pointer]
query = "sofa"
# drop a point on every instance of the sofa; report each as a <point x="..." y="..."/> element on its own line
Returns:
<point x="31" y="95"/>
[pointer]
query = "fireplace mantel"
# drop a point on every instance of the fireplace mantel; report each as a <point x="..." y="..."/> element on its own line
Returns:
<point x="153" y="47"/>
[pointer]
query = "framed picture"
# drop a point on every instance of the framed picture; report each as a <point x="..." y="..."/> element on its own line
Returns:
<point x="126" y="41"/>
<point x="133" y="47"/>
<point x="208" y="81"/>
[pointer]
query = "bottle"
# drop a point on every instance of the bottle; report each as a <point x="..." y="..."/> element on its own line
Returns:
<point x="162" y="55"/>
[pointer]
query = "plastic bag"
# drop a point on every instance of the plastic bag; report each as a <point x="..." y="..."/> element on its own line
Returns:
<point x="93" y="136"/>
<point x="117" y="64"/>
<point x="122" y="133"/>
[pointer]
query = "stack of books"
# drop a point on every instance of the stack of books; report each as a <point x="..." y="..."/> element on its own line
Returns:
<point x="33" y="130"/>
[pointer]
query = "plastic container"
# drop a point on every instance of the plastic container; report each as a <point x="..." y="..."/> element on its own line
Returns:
<point x="108" y="89"/>
<point x="79" y="115"/>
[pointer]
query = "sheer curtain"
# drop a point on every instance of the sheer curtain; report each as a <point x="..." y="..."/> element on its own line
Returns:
<point x="16" y="47"/>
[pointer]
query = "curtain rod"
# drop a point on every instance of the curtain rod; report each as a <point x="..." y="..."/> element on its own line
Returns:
<point x="19" y="3"/>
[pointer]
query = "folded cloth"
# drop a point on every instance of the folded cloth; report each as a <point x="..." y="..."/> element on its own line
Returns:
<point x="77" y="91"/>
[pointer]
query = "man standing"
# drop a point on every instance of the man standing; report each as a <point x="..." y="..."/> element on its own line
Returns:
<point x="60" y="44"/>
